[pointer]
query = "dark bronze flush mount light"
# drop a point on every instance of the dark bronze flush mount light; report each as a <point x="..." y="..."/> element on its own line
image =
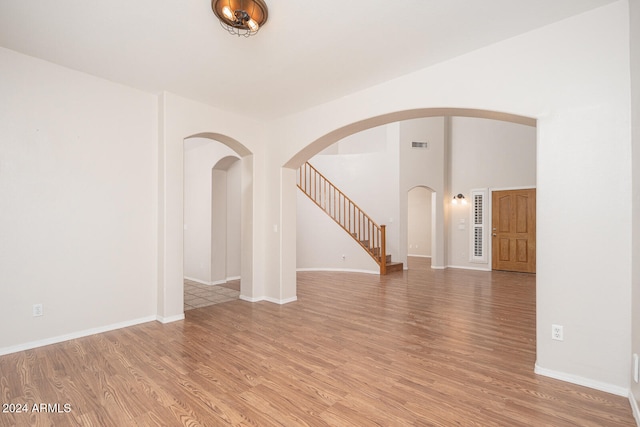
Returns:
<point x="241" y="17"/>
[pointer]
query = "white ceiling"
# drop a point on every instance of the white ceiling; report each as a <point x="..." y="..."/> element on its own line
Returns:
<point x="309" y="52"/>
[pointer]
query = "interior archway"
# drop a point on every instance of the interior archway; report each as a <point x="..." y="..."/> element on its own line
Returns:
<point x="330" y="138"/>
<point x="218" y="156"/>
<point x="442" y="196"/>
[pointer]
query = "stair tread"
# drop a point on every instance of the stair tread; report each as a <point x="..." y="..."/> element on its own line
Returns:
<point x="392" y="267"/>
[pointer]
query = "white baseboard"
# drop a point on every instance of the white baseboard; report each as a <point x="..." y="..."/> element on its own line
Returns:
<point x="193" y="279"/>
<point x="634" y="408"/>
<point x="269" y="299"/>
<point x="214" y="283"/>
<point x="586" y="382"/>
<point x="419" y="256"/>
<point x="340" y="270"/>
<point x="74" y="335"/>
<point x="438" y="267"/>
<point x="250" y="299"/>
<point x="170" y="318"/>
<point x="281" y="301"/>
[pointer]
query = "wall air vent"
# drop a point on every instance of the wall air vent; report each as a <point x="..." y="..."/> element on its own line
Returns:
<point x="422" y="145"/>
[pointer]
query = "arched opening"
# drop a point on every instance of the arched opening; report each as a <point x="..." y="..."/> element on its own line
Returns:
<point x="216" y="192"/>
<point x="434" y="167"/>
<point x="330" y="138"/>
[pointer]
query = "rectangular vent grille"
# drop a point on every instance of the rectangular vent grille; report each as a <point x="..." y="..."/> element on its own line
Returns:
<point x="422" y="145"/>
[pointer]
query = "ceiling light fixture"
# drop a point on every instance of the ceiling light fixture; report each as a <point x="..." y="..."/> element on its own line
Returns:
<point x="240" y="17"/>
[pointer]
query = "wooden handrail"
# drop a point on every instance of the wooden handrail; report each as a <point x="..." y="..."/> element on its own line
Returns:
<point x="345" y="212"/>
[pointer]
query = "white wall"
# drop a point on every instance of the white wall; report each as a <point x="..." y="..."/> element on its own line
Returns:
<point x="635" y="123"/>
<point x="485" y="154"/>
<point x="419" y="222"/>
<point x="201" y="244"/>
<point x="78" y="184"/>
<point x="234" y="223"/>
<point x="218" y="220"/>
<point x="322" y="243"/>
<point x="556" y="75"/>
<point x="424" y="168"/>
<point x="365" y="168"/>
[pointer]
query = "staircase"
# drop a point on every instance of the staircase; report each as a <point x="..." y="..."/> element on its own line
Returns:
<point x="369" y="235"/>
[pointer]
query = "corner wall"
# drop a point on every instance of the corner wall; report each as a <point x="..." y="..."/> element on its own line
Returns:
<point x="78" y="172"/>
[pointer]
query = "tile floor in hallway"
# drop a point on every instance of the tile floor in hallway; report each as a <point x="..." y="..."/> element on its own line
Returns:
<point x="197" y="295"/>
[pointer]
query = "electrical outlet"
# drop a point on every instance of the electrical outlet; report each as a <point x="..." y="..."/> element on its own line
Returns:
<point x="37" y="310"/>
<point x="344" y="257"/>
<point x="556" y="332"/>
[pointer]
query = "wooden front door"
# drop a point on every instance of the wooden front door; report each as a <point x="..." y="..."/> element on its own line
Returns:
<point x="514" y="230"/>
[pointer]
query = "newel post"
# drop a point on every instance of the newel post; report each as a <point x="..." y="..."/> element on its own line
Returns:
<point x="383" y="250"/>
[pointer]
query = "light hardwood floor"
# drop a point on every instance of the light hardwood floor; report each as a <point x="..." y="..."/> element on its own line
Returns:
<point x="423" y="348"/>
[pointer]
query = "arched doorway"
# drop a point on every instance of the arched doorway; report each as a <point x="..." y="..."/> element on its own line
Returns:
<point x="442" y="195"/>
<point x="211" y="205"/>
<point x="222" y="162"/>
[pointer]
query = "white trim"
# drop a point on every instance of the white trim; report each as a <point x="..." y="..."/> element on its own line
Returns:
<point x="586" y="382"/>
<point x="74" y="335"/>
<point x="216" y="283"/>
<point x="202" y="282"/>
<point x="250" y="299"/>
<point x="340" y="270"/>
<point x="170" y="319"/>
<point x="281" y="301"/>
<point x="269" y="299"/>
<point x="634" y="407"/>
<point x="464" y="267"/>
<point x="419" y="256"/>
<point x="438" y="267"/>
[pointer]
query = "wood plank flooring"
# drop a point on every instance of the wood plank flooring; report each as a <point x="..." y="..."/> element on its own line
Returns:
<point x="421" y="347"/>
